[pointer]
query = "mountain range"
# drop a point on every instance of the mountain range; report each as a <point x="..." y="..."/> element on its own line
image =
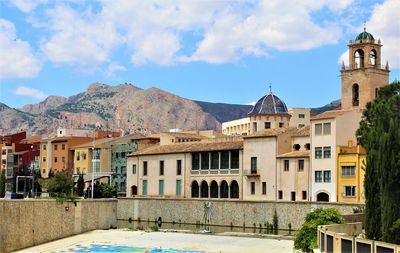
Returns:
<point x="124" y="108"/>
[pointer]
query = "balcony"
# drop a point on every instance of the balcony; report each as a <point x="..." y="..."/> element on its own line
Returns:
<point x="251" y="173"/>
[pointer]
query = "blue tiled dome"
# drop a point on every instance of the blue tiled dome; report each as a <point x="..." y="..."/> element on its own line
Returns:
<point x="269" y="104"/>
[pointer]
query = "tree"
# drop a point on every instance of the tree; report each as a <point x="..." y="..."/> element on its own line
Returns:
<point x="61" y="183"/>
<point x="2" y="183"/>
<point x="379" y="134"/>
<point x="80" y="185"/>
<point x="306" y="237"/>
<point x="105" y="190"/>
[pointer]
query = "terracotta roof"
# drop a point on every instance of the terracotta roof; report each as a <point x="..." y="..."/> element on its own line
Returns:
<point x="65" y="138"/>
<point x="270" y="132"/>
<point x="331" y="114"/>
<point x="295" y="154"/>
<point x="32" y="139"/>
<point x="185" y="135"/>
<point x="190" y="147"/>
<point x="97" y="143"/>
<point x="304" y="131"/>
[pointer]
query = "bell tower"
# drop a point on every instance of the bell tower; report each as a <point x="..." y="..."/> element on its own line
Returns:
<point x="364" y="75"/>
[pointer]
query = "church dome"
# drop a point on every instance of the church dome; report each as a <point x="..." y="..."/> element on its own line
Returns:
<point x="365" y="36"/>
<point x="269" y="104"/>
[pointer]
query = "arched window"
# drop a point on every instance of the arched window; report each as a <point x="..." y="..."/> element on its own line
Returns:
<point x="195" y="189"/>
<point x="213" y="190"/>
<point x="356" y="97"/>
<point x="134" y="190"/>
<point x="372" y="57"/>
<point x="322" y="196"/>
<point x="224" y="190"/>
<point x="204" y="190"/>
<point x="296" y="146"/>
<point x="234" y="189"/>
<point x="359" y="59"/>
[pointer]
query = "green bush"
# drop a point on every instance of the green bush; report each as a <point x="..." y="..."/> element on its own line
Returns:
<point x="2" y="183"/>
<point x="306" y="237"/>
<point x="61" y="184"/>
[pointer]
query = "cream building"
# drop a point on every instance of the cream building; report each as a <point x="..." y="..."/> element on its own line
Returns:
<point x="205" y="169"/>
<point x="293" y="168"/>
<point x="269" y="112"/>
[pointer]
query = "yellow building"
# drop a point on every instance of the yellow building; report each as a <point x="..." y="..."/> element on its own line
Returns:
<point x="350" y="174"/>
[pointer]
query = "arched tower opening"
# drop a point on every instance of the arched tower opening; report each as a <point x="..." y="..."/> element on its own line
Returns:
<point x="372" y="57"/>
<point x="359" y="59"/>
<point x="356" y="95"/>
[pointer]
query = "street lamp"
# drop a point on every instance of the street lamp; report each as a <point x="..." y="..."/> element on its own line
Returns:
<point x="93" y="169"/>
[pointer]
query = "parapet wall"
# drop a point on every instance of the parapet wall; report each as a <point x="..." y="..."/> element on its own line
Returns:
<point x="222" y="212"/>
<point x="25" y="223"/>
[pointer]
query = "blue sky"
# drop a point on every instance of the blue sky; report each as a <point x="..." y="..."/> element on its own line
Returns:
<point x="216" y="51"/>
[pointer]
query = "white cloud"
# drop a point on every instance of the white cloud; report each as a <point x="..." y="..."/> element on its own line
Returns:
<point x="30" y="92"/>
<point x="16" y="57"/>
<point x="27" y="5"/>
<point x="112" y="68"/>
<point x="79" y="38"/>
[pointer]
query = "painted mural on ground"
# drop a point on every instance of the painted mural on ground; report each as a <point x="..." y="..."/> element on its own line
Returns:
<point x="102" y="248"/>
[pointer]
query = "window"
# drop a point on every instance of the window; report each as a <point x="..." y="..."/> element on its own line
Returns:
<point x="264" y="188"/>
<point x="178" y="167"/>
<point x="214" y="160"/>
<point x="307" y="146"/>
<point x="44" y="146"/>
<point x="301" y="125"/>
<point x="286" y="165"/>
<point x="327" y="128"/>
<point x="253" y="165"/>
<point x="116" y="155"/>
<point x="63" y="159"/>
<point x="318" y="152"/>
<point x="318" y="129"/>
<point x="355" y="99"/>
<point x="84" y="155"/>
<point x="55" y="146"/>
<point x="78" y="156"/>
<point x="235" y="159"/>
<point x="253" y="188"/>
<point x="224" y="160"/>
<point x="123" y="170"/>
<point x="327" y="176"/>
<point x="267" y="125"/>
<point x="178" y="187"/>
<point x="304" y="195"/>
<point x="349" y="191"/>
<point x="44" y="159"/>
<point x="144" y="189"/>
<point x="318" y="176"/>
<point x="280" y="195"/>
<point x="161" y="187"/>
<point x="254" y="126"/>
<point x="302" y="116"/>
<point x="301" y="165"/>
<point x="44" y="171"/>
<point x="63" y="146"/>
<point x="55" y="159"/>
<point x="195" y="161"/>
<point x="161" y="168"/>
<point x="133" y="168"/>
<point x="281" y="124"/>
<point x="296" y="146"/>
<point x="123" y="154"/>
<point x="327" y="152"/>
<point x="205" y="160"/>
<point x="293" y="196"/>
<point x="348" y="171"/>
<point x="145" y="168"/>
<point x="116" y="169"/>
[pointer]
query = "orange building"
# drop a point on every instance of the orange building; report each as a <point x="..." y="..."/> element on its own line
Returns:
<point x="56" y="153"/>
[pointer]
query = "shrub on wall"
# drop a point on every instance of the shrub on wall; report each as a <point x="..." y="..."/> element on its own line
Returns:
<point x="2" y="183"/>
<point x="306" y="237"/>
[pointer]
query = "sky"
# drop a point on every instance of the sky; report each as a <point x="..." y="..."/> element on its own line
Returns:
<point x="207" y="50"/>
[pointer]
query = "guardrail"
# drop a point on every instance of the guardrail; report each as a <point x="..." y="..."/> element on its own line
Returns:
<point x="342" y="238"/>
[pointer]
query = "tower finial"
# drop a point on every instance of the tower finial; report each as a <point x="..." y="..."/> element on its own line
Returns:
<point x="365" y="26"/>
<point x="270" y="88"/>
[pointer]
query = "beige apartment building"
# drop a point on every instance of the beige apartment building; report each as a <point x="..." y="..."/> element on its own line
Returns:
<point x="293" y="168"/>
<point x="206" y="169"/>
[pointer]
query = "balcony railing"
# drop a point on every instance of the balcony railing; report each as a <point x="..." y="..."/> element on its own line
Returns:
<point x="251" y="173"/>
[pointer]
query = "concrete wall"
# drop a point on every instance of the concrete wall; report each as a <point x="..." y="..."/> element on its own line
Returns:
<point x="25" y="223"/>
<point x="223" y="212"/>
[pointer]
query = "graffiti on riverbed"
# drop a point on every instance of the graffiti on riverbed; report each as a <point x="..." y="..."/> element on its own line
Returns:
<point x="103" y="248"/>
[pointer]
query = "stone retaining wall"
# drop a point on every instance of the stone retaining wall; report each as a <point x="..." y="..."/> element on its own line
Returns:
<point x="25" y="223"/>
<point x="223" y="212"/>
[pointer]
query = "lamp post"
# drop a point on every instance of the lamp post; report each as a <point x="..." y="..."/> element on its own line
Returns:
<point x="93" y="170"/>
<point x="33" y="174"/>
